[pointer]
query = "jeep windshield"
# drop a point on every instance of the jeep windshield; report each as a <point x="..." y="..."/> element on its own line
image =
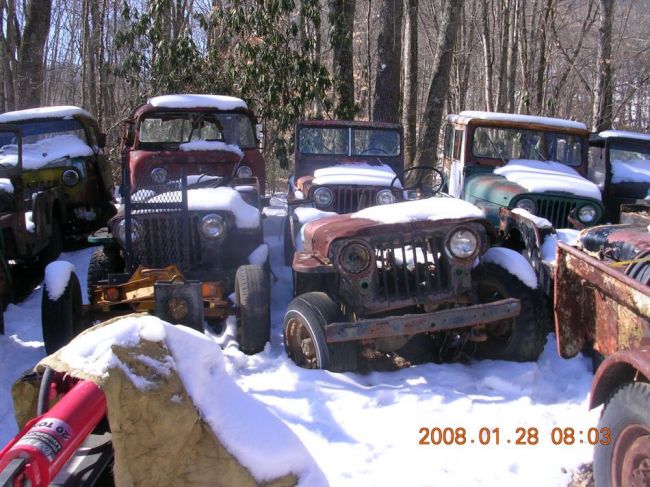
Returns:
<point x="349" y="141"/>
<point x="36" y="130"/>
<point x="159" y="130"/>
<point x="508" y="143"/>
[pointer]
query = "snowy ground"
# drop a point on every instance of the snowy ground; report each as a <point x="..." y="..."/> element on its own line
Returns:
<point x="365" y="429"/>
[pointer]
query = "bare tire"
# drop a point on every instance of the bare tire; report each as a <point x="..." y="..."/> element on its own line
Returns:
<point x="61" y="318"/>
<point x="519" y="339"/>
<point x="288" y="243"/>
<point x="625" y="459"/>
<point x="304" y="334"/>
<point x="253" y="322"/>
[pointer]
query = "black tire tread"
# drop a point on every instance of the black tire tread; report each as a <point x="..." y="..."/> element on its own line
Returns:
<point x="61" y="319"/>
<point x="253" y="300"/>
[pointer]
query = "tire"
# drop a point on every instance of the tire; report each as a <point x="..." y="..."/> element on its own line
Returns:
<point x="288" y="243"/>
<point x="519" y="339"/>
<point x="304" y="328"/>
<point x="253" y="300"/>
<point x="626" y="417"/>
<point x="55" y="245"/>
<point x="61" y="318"/>
<point x="101" y="265"/>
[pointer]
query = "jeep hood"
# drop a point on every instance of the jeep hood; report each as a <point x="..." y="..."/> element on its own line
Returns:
<point x="46" y="152"/>
<point x="615" y="242"/>
<point x="213" y="162"/>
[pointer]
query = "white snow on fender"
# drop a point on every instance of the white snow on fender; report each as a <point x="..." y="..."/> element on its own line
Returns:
<point x="57" y="276"/>
<point x="513" y="262"/>
<point x="6" y="185"/>
<point x="210" y="145"/>
<point x="306" y="214"/>
<point x="538" y="221"/>
<point x="220" y="102"/>
<point x="542" y="176"/>
<point x="356" y="174"/>
<point x="427" y="209"/>
<point x="41" y="153"/>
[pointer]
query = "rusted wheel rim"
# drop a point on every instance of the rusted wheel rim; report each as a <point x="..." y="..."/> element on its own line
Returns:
<point x="631" y="457"/>
<point x="300" y="345"/>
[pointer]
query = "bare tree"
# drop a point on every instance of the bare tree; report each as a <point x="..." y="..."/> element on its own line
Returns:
<point x="386" y="100"/>
<point x="604" y="93"/>
<point x="341" y="14"/>
<point x="411" y="82"/>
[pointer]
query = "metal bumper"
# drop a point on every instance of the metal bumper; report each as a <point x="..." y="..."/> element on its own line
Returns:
<point x="413" y="324"/>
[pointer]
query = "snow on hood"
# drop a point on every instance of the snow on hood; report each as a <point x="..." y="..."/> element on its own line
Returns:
<point x="224" y="199"/>
<point x="6" y="185"/>
<point x="543" y="176"/>
<point x="67" y="111"/>
<point x="624" y="134"/>
<point x="305" y="215"/>
<point x="41" y="153"/>
<point x="249" y="431"/>
<point x="631" y="171"/>
<point x="221" y="102"/>
<point x="210" y="145"/>
<point x="514" y="117"/>
<point x="356" y="174"/>
<point x="427" y="209"/>
<point x="57" y="276"/>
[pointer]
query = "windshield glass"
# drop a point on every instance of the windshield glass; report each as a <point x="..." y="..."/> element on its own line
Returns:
<point x="507" y="143"/>
<point x="629" y="152"/>
<point x="35" y="131"/>
<point x="178" y="128"/>
<point x="349" y="141"/>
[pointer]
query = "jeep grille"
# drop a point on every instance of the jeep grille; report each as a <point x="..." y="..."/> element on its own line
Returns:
<point x="348" y="199"/>
<point x="554" y="209"/>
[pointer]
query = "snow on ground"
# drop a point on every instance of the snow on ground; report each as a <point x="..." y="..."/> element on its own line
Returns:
<point x="365" y="429"/>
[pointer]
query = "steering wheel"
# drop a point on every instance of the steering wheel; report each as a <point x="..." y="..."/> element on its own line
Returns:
<point x="374" y="150"/>
<point x="438" y="180"/>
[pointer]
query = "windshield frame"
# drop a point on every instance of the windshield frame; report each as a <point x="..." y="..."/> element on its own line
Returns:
<point x="348" y="141"/>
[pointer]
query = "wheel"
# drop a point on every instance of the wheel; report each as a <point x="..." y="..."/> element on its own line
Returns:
<point x="288" y="243"/>
<point x="625" y="460"/>
<point x="304" y="334"/>
<point x="102" y="263"/>
<point x="437" y="180"/>
<point x="519" y="339"/>
<point x="61" y="318"/>
<point x="55" y="245"/>
<point x="253" y="322"/>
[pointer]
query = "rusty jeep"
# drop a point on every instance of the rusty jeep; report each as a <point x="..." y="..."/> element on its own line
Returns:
<point x="63" y="147"/>
<point x="388" y="278"/>
<point x="602" y="308"/>
<point x="184" y="240"/>
<point x="619" y="163"/>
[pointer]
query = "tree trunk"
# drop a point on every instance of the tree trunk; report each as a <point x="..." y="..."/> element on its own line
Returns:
<point x="487" y="56"/>
<point x="386" y="101"/>
<point x="342" y="28"/>
<point x="433" y="112"/>
<point x="10" y="48"/>
<point x="411" y="83"/>
<point x="604" y="94"/>
<point x="502" y="90"/>
<point x="542" y="65"/>
<point x="30" y="54"/>
<point x="512" y="55"/>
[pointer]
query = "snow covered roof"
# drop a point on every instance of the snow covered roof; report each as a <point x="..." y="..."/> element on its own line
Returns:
<point x="612" y="134"/>
<point x="223" y="198"/>
<point x="356" y="174"/>
<point x="513" y="117"/>
<point x="66" y="111"/>
<point x="543" y="176"/>
<point x="210" y="145"/>
<point x="44" y="151"/>
<point x="419" y="210"/>
<point x="220" y="102"/>
<point x="631" y="171"/>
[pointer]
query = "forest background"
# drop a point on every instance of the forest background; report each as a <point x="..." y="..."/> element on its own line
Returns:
<point x="405" y="61"/>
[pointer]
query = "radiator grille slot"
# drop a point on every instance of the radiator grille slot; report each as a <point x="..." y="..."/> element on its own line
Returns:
<point x="555" y="210"/>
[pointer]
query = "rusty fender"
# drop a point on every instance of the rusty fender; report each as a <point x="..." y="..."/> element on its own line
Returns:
<point x="413" y="324"/>
<point x="620" y="368"/>
<point x="597" y="304"/>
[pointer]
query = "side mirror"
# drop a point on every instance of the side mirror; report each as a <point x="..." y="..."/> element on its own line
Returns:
<point x="259" y="133"/>
<point x="101" y="140"/>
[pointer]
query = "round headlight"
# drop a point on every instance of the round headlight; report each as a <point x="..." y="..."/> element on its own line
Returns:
<point x="527" y="204"/>
<point x="463" y="244"/>
<point x="70" y="177"/>
<point x="385" y="197"/>
<point x="244" y="172"/>
<point x="323" y="197"/>
<point x="212" y="226"/>
<point x="136" y="231"/>
<point x="355" y="258"/>
<point x="159" y="175"/>
<point x="587" y="214"/>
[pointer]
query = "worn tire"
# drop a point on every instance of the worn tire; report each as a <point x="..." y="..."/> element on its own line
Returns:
<point x="253" y="300"/>
<point x="520" y="339"/>
<point x="61" y="318"/>
<point x="626" y="416"/>
<point x="55" y="245"/>
<point x="287" y="242"/>
<point x="100" y="266"/>
<point x="304" y="326"/>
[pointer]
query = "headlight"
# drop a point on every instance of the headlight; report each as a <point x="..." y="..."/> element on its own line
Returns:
<point x="355" y="258"/>
<point x="212" y="226"/>
<point x="136" y="231"/>
<point x="159" y="175"/>
<point x="323" y="197"/>
<point x="587" y="214"/>
<point x="385" y="197"/>
<point x="463" y="244"/>
<point x="527" y="204"/>
<point x="70" y="177"/>
<point x="244" y="172"/>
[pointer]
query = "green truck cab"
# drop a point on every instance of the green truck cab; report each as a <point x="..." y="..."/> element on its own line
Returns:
<point x="521" y="162"/>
